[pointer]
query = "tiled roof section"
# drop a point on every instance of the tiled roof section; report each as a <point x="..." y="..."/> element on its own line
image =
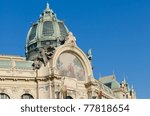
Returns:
<point x="110" y="81"/>
<point x="107" y="79"/>
<point x="5" y="64"/>
<point x="23" y="65"/>
<point x="107" y="90"/>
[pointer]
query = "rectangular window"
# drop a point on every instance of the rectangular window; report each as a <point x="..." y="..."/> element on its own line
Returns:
<point x="48" y="29"/>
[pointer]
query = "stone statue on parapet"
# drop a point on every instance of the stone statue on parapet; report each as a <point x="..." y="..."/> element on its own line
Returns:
<point x="36" y="65"/>
<point x="89" y="55"/>
<point x="50" y="52"/>
<point x="42" y="56"/>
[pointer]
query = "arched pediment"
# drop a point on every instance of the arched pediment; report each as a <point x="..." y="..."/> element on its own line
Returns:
<point x="71" y="61"/>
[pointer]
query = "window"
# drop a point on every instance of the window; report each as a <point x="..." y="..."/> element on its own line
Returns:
<point x="27" y="96"/>
<point x="33" y="32"/>
<point x="4" y="96"/>
<point x="63" y="31"/>
<point x="31" y="47"/>
<point x="48" y="29"/>
<point x="123" y="96"/>
<point x="68" y="97"/>
<point x="108" y="85"/>
<point x="46" y="42"/>
<point x="94" y="97"/>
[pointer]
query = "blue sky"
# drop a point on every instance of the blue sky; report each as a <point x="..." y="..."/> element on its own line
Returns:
<point x="118" y="31"/>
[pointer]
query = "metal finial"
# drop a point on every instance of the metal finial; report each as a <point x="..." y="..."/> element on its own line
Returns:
<point x="113" y="73"/>
<point x="124" y="79"/>
<point x="128" y="88"/>
<point x="132" y="87"/>
<point x="47" y="5"/>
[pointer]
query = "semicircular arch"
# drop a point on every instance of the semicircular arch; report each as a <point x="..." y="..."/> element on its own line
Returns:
<point x="76" y="52"/>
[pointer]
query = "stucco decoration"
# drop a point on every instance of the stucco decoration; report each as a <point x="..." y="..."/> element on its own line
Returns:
<point x="43" y="57"/>
<point x="70" y="39"/>
<point x="69" y="65"/>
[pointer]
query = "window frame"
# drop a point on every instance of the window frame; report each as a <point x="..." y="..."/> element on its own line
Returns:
<point x="27" y="96"/>
<point x="4" y="96"/>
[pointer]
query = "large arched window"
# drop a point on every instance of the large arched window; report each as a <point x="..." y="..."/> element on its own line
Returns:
<point x="27" y="96"/>
<point x="4" y="96"/>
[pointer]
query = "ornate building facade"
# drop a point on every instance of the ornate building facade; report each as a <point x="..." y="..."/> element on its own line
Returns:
<point x="55" y="67"/>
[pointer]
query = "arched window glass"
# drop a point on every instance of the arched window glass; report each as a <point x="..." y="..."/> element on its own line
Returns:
<point x="48" y="29"/>
<point x="62" y="28"/>
<point x="33" y="32"/>
<point x="4" y="96"/>
<point x="27" y="96"/>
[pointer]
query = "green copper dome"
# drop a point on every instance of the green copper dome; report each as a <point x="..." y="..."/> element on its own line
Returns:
<point x="47" y="32"/>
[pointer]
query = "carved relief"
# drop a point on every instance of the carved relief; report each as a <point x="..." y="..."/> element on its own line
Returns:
<point x="14" y="89"/>
<point x="2" y="90"/>
<point x="26" y="90"/>
<point x="46" y="88"/>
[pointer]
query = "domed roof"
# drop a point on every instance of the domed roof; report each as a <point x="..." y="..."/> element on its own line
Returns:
<point x="47" y="32"/>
